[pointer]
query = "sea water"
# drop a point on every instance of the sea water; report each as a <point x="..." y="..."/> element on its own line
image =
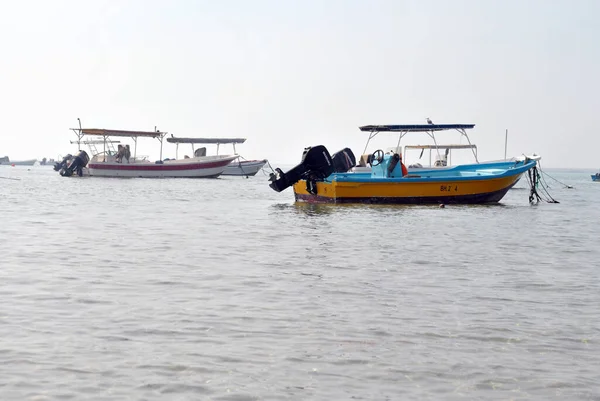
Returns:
<point x="222" y="289"/>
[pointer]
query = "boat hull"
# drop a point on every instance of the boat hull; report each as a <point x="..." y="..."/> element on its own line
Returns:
<point x="244" y="168"/>
<point x="187" y="168"/>
<point x="595" y="178"/>
<point x="464" y="187"/>
<point x="19" y="162"/>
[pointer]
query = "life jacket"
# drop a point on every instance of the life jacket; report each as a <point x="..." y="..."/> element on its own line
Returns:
<point x="404" y="169"/>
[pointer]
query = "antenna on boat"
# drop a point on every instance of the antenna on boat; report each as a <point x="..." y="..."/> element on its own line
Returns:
<point x="505" y="142"/>
<point x="160" y="138"/>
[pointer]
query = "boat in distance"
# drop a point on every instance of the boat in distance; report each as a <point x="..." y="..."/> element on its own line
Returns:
<point x="6" y="161"/>
<point x="244" y="168"/>
<point x="325" y="178"/>
<point x="109" y="162"/>
<point x="237" y="167"/>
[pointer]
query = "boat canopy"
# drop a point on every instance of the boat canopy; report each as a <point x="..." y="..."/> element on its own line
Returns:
<point x="216" y="141"/>
<point x="94" y="142"/>
<point x="106" y="133"/>
<point x="428" y="129"/>
<point x="415" y="127"/>
<point x="440" y="146"/>
<point x="121" y="133"/>
<point x="205" y="141"/>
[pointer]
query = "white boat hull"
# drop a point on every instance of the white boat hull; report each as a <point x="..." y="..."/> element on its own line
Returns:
<point x="196" y="167"/>
<point x="19" y="162"/>
<point x="244" y="167"/>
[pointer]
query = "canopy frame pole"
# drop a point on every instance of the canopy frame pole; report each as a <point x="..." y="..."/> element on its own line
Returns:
<point x="505" y="142"/>
<point x="234" y="151"/>
<point x="79" y="136"/>
<point x="463" y="132"/>
<point x="398" y="144"/>
<point x="372" y="135"/>
<point x="177" y="151"/>
<point x="134" y="148"/>
<point x="160" y="138"/>
<point x="402" y="135"/>
<point x="437" y="148"/>
<point x="79" y="133"/>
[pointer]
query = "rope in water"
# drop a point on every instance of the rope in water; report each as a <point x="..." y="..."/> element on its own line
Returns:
<point x="561" y="183"/>
<point x="536" y="183"/>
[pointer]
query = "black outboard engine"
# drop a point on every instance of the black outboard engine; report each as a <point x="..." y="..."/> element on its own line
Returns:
<point x="317" y="164"/>
<point x="60" y="165"/>
<point x="75" y="165"/>
<point x="343" y="161"/>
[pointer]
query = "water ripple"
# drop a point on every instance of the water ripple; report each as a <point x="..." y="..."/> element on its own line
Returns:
<point x="225" y="290"/>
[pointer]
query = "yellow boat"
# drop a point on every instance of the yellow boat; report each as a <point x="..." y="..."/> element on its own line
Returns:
<point x="322" y="178"/>
<point x="464" y="184"/>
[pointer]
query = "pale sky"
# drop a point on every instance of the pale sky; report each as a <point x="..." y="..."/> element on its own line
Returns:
<point x="290" y="74"/>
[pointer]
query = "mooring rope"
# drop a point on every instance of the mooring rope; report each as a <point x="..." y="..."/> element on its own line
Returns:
<point x="263" y="169"/>
<point x="561" y="183"/>
<point x="536" y="183"/>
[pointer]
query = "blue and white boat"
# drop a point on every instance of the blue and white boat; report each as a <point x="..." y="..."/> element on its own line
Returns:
<point x="325" y="178"/>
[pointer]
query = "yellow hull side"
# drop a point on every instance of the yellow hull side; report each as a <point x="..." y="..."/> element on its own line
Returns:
<point x="338" y="191"/>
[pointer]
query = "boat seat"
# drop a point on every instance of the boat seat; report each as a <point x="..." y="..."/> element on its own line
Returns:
<point x="200" y="152"/>
<point x="364" y="160"/>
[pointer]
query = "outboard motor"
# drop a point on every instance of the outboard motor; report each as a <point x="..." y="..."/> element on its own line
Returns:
<point x="60" y="165"/>
<point x="76" y="165"/>
<point x="343" y="161"/>
<point x="317" y="164"/>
